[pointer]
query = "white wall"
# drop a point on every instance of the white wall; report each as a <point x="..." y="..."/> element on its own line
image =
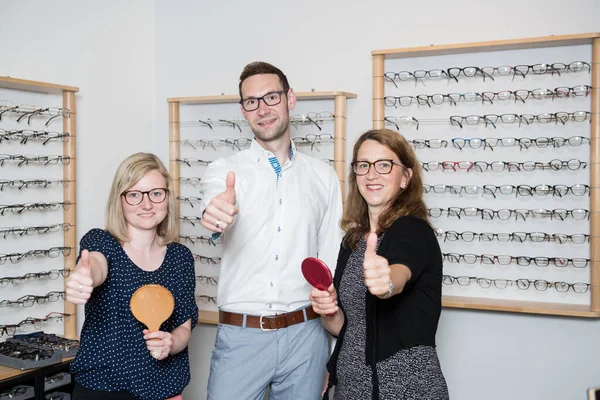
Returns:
<point x="201" y="48"/>
<point x="107" y="50"/>
<point x="127" y="57"/>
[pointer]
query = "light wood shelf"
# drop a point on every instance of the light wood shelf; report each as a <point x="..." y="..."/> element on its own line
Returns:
<point x="35" y="86"/>
<point x="473" y="303"/>
<point x="223" y="99"/>
<point x="340" y="106"/>
<point x="478" y="47"/>
<point x="69" y="174"/>
<point x="208" y="317"/>
<point x="592" y="39"/>
<point x="527" y="307"/>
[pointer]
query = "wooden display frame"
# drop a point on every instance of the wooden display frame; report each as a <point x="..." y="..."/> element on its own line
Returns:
<point x="339" y="151"/>
<point x="593" y="39"/>
<point x="69" y="192"/>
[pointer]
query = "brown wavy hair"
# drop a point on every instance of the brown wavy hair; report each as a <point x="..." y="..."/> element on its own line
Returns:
<point x="407" y="202"/>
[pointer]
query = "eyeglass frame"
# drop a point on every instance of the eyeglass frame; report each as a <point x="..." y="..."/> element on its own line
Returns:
<point x="258" y="99"/>
<point x="374" y="164"/>
<point x="147" y="193"/>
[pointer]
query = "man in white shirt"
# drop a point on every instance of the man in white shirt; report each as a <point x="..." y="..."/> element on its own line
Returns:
<point x="273" y="207"/>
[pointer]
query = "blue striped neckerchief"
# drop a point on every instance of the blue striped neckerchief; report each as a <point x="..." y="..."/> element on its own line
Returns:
<point x="277" y="166"/>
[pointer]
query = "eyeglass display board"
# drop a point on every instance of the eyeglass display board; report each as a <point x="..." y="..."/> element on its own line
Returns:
<point x="214" y="123"/>
<point x="36" y="132"/>
<point x="508" y="136"/>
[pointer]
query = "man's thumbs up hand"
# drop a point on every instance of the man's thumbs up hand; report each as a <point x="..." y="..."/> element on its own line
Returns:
<point x="219" y="213"/>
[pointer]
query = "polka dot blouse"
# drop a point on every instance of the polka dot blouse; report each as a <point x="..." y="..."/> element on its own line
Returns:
<point x="112" y="355"/>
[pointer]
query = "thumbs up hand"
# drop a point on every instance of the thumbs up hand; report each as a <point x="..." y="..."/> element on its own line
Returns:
<point x="219" y="213"/>
<point x="80" y="283"/>
<point x="229" y="194"/>
<point x="376" y="269"/>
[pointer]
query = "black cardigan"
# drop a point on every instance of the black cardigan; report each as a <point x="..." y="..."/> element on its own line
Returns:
<point x="409" y="318"/>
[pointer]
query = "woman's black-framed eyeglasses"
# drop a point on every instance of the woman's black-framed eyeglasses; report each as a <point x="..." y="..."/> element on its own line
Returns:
<point x="382" y="167"/>
<point x="135" y="197"/>
<point x="270" y="99"/>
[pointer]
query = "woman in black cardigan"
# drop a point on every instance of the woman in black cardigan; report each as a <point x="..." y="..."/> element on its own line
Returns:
<point x="386" y="297"/>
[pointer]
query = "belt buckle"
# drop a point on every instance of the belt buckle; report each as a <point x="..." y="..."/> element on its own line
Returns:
<point x="260" y="321"/>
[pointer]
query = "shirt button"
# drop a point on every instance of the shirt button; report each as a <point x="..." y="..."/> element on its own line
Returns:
<point x="271" y="284"/>
<point x="270" y="305"/>
<point x="278" y="229"/>
<point x="280" y="202"/>
<point x="276" y="257"/>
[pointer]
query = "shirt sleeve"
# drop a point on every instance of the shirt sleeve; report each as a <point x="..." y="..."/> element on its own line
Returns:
<point x="330" y="233"/>
<point x="407" y="245"/>
<point x="185" y="300"/>
<point x="95" y="240"/>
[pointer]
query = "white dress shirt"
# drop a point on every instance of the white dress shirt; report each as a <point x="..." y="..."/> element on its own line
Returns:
<point x="281" y="221"/>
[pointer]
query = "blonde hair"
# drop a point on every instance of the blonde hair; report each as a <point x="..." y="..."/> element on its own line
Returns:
<point x="408" y="201"/>
<point x="131" y="170"/>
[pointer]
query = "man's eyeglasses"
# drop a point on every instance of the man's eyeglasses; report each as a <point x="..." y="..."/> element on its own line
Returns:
<point x="382" y="167"/>
<point x="135" y="197"/>
<point x="270" y="99"/>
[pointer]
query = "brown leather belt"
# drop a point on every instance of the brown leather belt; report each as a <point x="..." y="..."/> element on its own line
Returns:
<point x="268" y="322"/>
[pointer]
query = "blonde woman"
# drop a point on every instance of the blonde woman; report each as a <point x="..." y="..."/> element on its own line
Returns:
<point x="118" y="358"/>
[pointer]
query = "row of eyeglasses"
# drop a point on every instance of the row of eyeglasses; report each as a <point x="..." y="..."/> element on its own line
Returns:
<point x="207" y="280"/>
<point x="312" y="118"/>
<point x="490" y="143"/>
<point x="31" y="183"/>
<point x="505" y="214"/>
<point x="19" y="351"/>
<point x="20" y="208"/>
<point x="523" y="261"/>
<point x="501" y="166"/>
<point x="492" y="119"/>
<point x="30" y="111"/>
<point x="21" y="159"/>
<point x="308" y="139"/>
<point x="503" y="95"/>
<point x="487" y="72"/>
<point x="523" y="284"/>
<point x="193" y="239"/>
<point x="30" y="230"/>
<point x="25" y="135"/>
<point x="206" y="260"/>
<point x="52" y="274"/>
<point x="517" y="237"/>
<point x="519" y="190"/>
<point x="30" y="322"/>
<point x="52" y="252"/>
<point x="29" y="300"/>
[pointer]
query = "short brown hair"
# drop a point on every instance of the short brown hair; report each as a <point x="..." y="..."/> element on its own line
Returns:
<point x="131" y="170"/>
<point x="407" y="202"/>
<point x="260" y="68"/>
